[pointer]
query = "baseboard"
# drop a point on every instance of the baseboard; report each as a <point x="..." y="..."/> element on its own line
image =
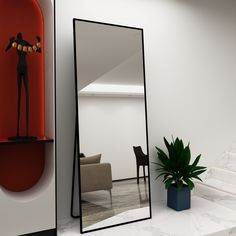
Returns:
<point x="51" y="232"/>
<point x="132" y="178"/>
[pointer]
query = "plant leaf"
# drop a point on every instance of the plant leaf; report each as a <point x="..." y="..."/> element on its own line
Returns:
<point x="160" y="175"/>
<point x="196" y="161"/>
<point x="196" y="177"/>
<point x="198" y="168"/>
<point x="168" y="182"/>
<point x="179" y="184"/>
<point x="163" y="157"/>
<point x="166" y="143"/>
<point x="175" y="164"/>
<point x="189" y="183"/>
<point x="196" y="173"/>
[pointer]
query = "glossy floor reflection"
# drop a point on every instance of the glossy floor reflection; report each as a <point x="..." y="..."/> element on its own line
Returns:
<point x="204" y="218"/>
<point x="126" y="195"/>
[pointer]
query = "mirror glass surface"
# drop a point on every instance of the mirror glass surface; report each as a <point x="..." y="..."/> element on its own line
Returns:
<point x="113" y="145"/>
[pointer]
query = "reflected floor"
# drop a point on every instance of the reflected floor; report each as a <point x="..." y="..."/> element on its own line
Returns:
<point x="126" y="195"/>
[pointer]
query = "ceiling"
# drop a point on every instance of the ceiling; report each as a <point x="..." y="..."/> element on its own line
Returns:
<point x="108" y="54"/>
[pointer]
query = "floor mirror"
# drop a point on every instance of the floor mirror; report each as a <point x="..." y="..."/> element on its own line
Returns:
<point x="113" y="152"/>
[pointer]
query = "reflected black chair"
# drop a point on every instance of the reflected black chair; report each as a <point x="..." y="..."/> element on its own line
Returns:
<point x="143" y="193"/>
<point x="141" y="160"/>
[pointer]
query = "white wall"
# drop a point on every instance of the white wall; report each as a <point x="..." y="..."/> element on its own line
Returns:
<point x="190" y="54"/>
<point x="112" y="126"/>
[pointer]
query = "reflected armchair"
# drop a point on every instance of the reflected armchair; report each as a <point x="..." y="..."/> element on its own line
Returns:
<point x="95" y="176"/>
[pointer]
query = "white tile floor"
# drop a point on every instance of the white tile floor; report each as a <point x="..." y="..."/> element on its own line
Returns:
<point x="213" y="210"/>
<point x="204" y="218"/>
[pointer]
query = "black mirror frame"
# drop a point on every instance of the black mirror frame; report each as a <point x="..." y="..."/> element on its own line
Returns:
<point x="77" y="143"/>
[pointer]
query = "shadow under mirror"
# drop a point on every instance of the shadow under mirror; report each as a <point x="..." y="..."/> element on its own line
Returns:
<point x="111" y="106"/>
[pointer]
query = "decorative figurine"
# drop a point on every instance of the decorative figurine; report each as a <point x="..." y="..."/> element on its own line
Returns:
<point x="23" y="47"/>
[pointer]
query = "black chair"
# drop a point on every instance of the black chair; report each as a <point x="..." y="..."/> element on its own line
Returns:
<point x="141" y="160"/>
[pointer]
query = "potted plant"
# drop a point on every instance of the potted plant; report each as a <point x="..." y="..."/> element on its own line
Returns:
<point x="178" y="173"/>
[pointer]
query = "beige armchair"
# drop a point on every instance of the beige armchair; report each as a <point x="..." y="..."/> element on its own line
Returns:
<point x="95" y="176"/>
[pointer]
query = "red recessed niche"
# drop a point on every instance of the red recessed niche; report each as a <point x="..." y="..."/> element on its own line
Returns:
<point x="21" y="165"/>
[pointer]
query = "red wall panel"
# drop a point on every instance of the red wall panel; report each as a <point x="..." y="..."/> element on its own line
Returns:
<point x="21" y="165"/>
<point x="26" y="17"/>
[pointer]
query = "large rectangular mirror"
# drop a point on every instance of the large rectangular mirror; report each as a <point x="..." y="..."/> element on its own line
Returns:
<point x="111" y="111"/>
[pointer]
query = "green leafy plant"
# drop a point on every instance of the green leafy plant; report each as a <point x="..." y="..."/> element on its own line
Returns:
<point x="175" y="166"/>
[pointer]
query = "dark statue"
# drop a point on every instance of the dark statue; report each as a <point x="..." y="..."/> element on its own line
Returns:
<point x="23" y="47"/>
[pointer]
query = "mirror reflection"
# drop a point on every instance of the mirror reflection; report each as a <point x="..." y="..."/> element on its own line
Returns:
<point x="114" y="164"/>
